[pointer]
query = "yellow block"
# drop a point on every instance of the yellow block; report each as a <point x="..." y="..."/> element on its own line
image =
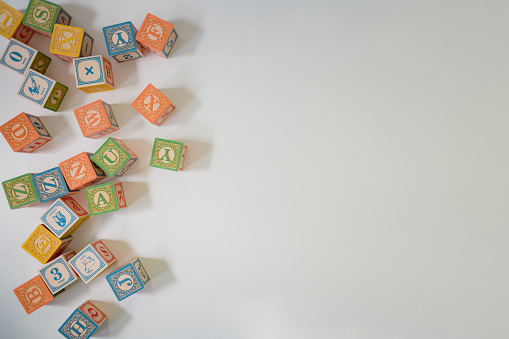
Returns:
<point x="10" y="19"/>
<point x="66" y="40"/>
<point x="42" y="244"/>
<point x="97" y="88"/>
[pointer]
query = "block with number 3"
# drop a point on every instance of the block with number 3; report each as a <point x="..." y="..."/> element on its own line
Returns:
<point x="93" y="74"/>
<point x="58" y="274"/>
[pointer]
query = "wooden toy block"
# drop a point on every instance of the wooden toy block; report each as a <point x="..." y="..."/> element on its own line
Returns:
<point x="21" y="191"/>
<point x="81" y="325"/>
<point x="90" y="262"/>
<point x="69" y="255"/>
<point x="11" y="25"/>
<point x="153" y="105"/>
<point x="121" y="42"/>
<point x="57" y="275"/>
<point x="96" y="119"/>
<point x="114" y="157"/>
<point x="104" y="252"/>
<point x="64" y="217"/>
<point x="42" y="15"/>
<point x="105" y="198"/>
<point x="33" y="294"/>
<point x="25" y="133"/>
<point x="44" y="245"/>
<point x="128" y="279"/>
<point x="42" y="90"/>
<point x="20" y="58"/>
<point x="94" y="74"/>
<point x="157" y="35"/>
<point x="51" y="185"/>
<point x="69" y="43"/>
<point x="93" y="312"/>
<point x="80" y="171"/>
<point x="168" y="154"/>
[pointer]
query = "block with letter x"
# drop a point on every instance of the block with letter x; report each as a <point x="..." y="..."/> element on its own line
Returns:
<point x="64" y="217"/>
<point x="128" y="279"/>
<point x="51" y="185"/>
<point x="121" y="42"/>
<point x="105" y="198"/>
<point x="20" y="58"/>
<point x="25" y="133"/>
<point x="11" y="25"/>
<point x="153" y="105"/>
<point x="20" y="191"/>
<point x="69" y="43"/>
<point x="92" y="261"/>
<point x="96" y="119"/>
<point x="42" y="90"/>
<point x="94" y="74"/>
<point x="80" y="171"/>
<point x="83" y="322"/>
<point x="33" y="294"/>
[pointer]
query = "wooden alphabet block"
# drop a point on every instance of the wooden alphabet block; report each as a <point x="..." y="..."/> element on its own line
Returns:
<point x="25" y="133"/>
<point x="121" y="42"/>
<point x="93" y="312"/>
<point x="64" y="217"/>
<point x="69" y="43"/>
<point x="42" y="90"/>
<point x="105" y="198"/>
<point x="57" y="275"/>
<point x="11" y="25"/>
<point x="69" y="255"/>
<point x="33" y="294"/>
<point x="96" y="119"/>
<point x="114" y="157"/>
<point x="168" y="154"/>
<point x="20" y="58"/>
<point x="93" y="74"/>
<point x="153" y="105"/>
<point x="80" y="171"/>
<point x="42" y="15"/>
<point x="92" y="261"/>
<point x="51" y="185"/>
<point x="21" y="191"/>
<point x="128" y="279"/>
<point x="44" y="245"/>
<point x="157" y="35"/>
<point x="78" y="325"/>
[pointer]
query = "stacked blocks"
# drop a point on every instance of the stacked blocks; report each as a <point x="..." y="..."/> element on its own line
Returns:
<point x="21" y="191"/>
<point x="68" y="43"/>
<point x="121" y="42"/>
<point x="96" y="119"/>
<point x="83" y="322"/>
<point x="42" y="15"/>
<point x="168" y="154"/>
<point x="128" y="279"/>
<point x="51" y="185"/>
<point x="64" y="217"/>
<point x="20" y="58"/>
<point x="25" y="133"/>
<point x="11" y="26"/>
<point x="156" y="35"/>
<point x="105" y="198"/>
<point x="114" y="157"/>
<point x="33" y="294"/>
<point x="153" y="105"/>
<point x="80" y="172"/>
<point x="42" y="90"/>
<point x="44" y="245"/>
<point x="92" y="261"/>
<point x="93" y="74"/>
<point x="57" y="275"/>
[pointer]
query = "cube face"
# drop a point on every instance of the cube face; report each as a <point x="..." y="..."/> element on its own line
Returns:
<point x="42" y="244"/>
<point x="23" y="34"/>
<point x="93" y="74"/>
<point x="121" y="42"/>
<point x="20" y="191"/>
<point x="78" y="325"/>
<point x="69" y="255"/>
<point x="33" y="294"/>
<point x="96" y="119"/>
<point x="56" y="97"/>
<point x="140" y="271"/>
<point x="10" y="20"/>
<point x="62" y="219"/>
<point x="36" y="87"/>
<point x="88" y="264"/>
<point x="104" y="252"/>
<point x="67" y="40"/>
<point x="153" y="105"/>
<point x="101" y="199"/>
<point x="93" y="312"/>
<point x="41" y="16"/>
<point x="57" y="275"/>
<point x="113" y="158"/>
<point x="157" y="35"/>
<point x="51" y="185"/>
<point x="80" y="172"/>
<point x="124" y="281"/>
<point x="168" y="154"/>
<point x="18" y="56"/>
<point x="19" y="132"/>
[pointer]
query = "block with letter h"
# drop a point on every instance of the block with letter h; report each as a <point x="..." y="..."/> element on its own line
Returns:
<point x="94" y="74"/>
<point x="83" y="322"/>
<point x="128" y="279"/>
<point x="51" y="185"/>
<point x="157" y="35"/>
<point x="42" y="90"/>
<point x="121" y="42"/>
<point x="64" y="217"/>
<point x="105" y="198"/>
<point x="20" y="58"/>
<point x="44" y="245"/>
<point x="42" y="15"/>
<point x="69" y="43"/>
<point x="96" y="119"/>
<point x="92" y="261"/>
<point x="80" y="171"/>
<point x="20" y="191"/>
<point x="11" y="25"/>
<point x="25" y="133"/>
<point x="33" y="294"/>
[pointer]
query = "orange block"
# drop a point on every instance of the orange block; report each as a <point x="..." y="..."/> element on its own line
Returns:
<point x="25" y="133"/>
<point x="157" y="35"/>
<point x="44" y="245"/>
<point x="80" y="172"/>
<point x="33" y="294"/>
<point x="96" y="119"/>
<point x="153" y="105"/>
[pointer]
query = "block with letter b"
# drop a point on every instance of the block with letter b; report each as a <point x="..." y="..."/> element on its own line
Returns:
<point x="44" y="245"/>
<point x="33" y="294"/>
<point x="68" y="43"/>
<point x="153" y="105"/>
<point x="92" y="261"/>
<point x="42" y="15"/>
<point x="114" y="157"/>
<point x="51" y="185"/>
<point x="80" y="171"/>
<point x="96" y="119"/>
<point x="128" y="279"/>
<point x="42" y="90"/>
<point x="20" y="191"/>
<point x="25" y="133"/>
<point x="20" y="58"/>
<point x="157" y="35"/>
<point x="168" y="154"/>
<point x="11" y="25"/>
<point x="121" y="42"/>
<point x="105" y="198"/>
<point x="64" y="217"/>
<point x="93" y="74"/>
<point x="57" y="275"/>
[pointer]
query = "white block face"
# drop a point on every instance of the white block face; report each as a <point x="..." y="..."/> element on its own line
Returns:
<point x="36" y="87"/>
<point x="59" y="218"/>
<point x="88" y="264"/>
<point x="89" y="71"/>
<point x="18" y="57"/>
<point x="57" y="275"/>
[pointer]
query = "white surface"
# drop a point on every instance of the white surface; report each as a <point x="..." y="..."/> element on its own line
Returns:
<point x="347" y="173"/>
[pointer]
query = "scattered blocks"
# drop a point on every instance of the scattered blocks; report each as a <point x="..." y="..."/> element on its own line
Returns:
<point x="157" y="35"/>
<point x="57" y="275"/>
<point x="114" y="157"/>
<point x="83" y="322"/>
<point x="42" y="90"/>
<point x="80" y="172"/>
<point x="68" y="43"/>
<point x="11" y="24"/>
<point x="168" y="154"/>
<point x="44" y="245"/>
<point x="121" y="42"/>
<point x="20" y="58"/>
<point x="92" y="261"/>
<point x="21" y="191"/>
<point x="33" y="294"/>
<point x="96" y="119"/>
<point x="153" y="105"/>
<point x="105" y="198"/>
<point x="42" y="15"/>
<point x="25" y="133"/>
<point x="64" y="217"/>
<point x="128" y="279"/>
<point x="51" y="185"/>
<point x="93" y="74"/>
<point x="93" y="312"/>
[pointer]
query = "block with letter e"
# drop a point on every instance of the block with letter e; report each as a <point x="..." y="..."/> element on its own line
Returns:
<point x="128" y="279"/>
<point x="44" y="245"/>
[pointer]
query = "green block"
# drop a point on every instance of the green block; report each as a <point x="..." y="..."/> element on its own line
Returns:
<point x="105" y="198"/>
<point x="20" y="191"/>
<point x="168" y="154"/>
<point x="41" y="15"/>
<point x="114" y="157"/>
<point x="56" y="97"/>
<point x="40" y="63"/>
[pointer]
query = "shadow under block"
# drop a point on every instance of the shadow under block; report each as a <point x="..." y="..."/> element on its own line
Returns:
<point x="11" y="25"/>
<point x="80" y="171"/>
<point x="96" y="119"/>
<point x="51" y="185"/>
<point x="58" y="275"/>
<point x="20" y="58"/>
<point x="68" y="43"/>
<point x="33" y="294"/>
<point x="105" y="198"/>
<point x="114" y="157"/>
<point x="64" y="217"/>
<point x="92" y="261"/>
<point x="42" y="90"/>
<point x="44" y="245"/>
<point x="93" y="74"/>
<point x="153" y="105"/>
<point x="168" y="154"/>
<point x="21" y="191"/>
<point x="128" y="279"/>
<point x="157" y="35"/>
<point x="42" y="15"/>
<point x="25" y="133"/>
<point x="121" y="42"/>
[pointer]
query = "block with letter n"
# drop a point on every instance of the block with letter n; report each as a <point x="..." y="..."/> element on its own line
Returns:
<point x="25" y="133"/>
<point x="96" y="119"/>
<point x="64" y="217"/>
<point x="168" y="154"/>
<point x="105" y="198"/>
<point x="93" y="74"/>
<point x="20" y="191"/>
<point x="33" y="294"/>
<point x="128" y="279"/>
<point x="11" y="25"/>
<point x="21" y="58"/>
<point x="121" y="42"/>
<point x="80" y="171"/>
<point x="42" y="15"/>
<point x="114" y="157"/>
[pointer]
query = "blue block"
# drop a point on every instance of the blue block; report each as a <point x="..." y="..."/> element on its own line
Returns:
<point x="89" y="70"/>
<point x="51" y="185"/>
<point x="88" y="264"/>
<point x="78" y="325"/>
<point x="124" y="281"/>
<point x="18" y="56"/>
<point x="121" y="41"/>
<point x="57" y="275"/>
<point x="36" y="87"/>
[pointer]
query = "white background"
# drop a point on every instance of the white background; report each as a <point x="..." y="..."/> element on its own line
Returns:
<point x="347" y="173"/>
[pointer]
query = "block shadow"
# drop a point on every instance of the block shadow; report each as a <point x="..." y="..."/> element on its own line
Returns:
<point x="189" y="34"/>
<point x="58" y="129"/>
<point x="120" y="249"/>
<point x="183" y="101"/>
<point x="117" y="319"/>
<point x="136" y="195"/>
<point x="124" y="113"/>
<point x="143" y="149"/>
<point x="198" y="155"/>
<point x="159" y="272"/>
